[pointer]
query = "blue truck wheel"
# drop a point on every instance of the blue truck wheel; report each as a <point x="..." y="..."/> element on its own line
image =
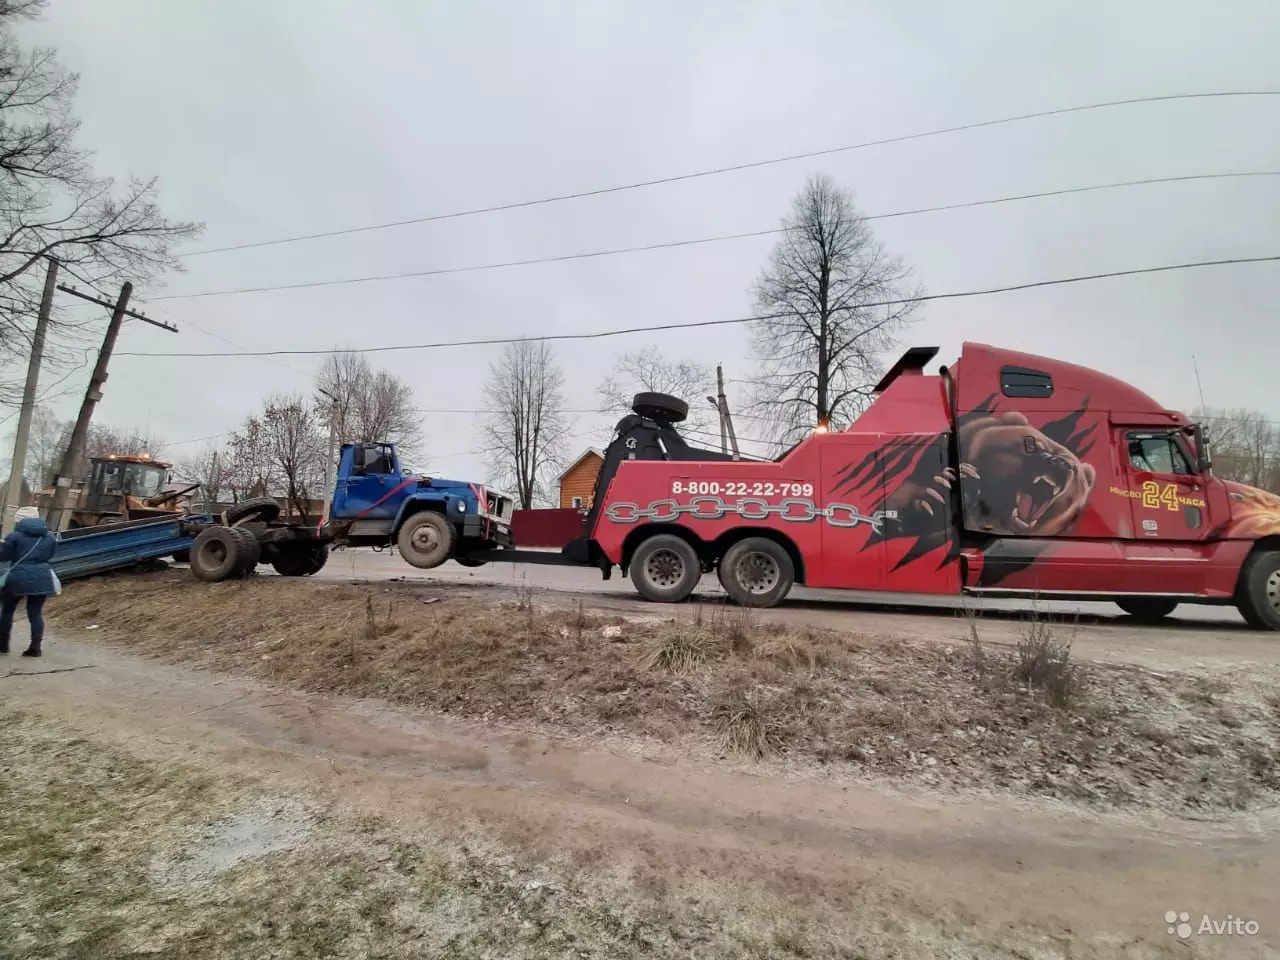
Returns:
<point x="426" y="540"/>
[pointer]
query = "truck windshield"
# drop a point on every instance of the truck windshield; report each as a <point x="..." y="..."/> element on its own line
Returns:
<point x="143" y="480"/>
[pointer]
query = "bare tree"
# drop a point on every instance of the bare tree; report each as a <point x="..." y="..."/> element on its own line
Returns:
<point x="51" y="202"/>
<point x="43" y="447"/>
<point x="296" y="448"/>
<point x="1245" y="446"/>
<point x="525" y="425"/>
<point x="212" y="468"/>
<point x="370" y="405"/>
<point x="835" y="302"/>
<point x="252" y="470"/>
<point x="648" y="369"/>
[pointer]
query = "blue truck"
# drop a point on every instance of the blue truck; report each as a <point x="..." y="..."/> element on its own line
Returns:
<point x="375" y="504"/>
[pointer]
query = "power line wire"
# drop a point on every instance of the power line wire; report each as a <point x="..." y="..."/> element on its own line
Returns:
<point x="699" y="241"/>
<point x="601" y="334"/>
<point x="732" y="168"/>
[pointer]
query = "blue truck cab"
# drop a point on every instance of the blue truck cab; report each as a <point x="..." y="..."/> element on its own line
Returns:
<point x="376" y="504"/>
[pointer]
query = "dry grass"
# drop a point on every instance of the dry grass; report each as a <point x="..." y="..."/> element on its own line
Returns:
<point x="873" y="707"/>
<point x="744" y="729"/>
<point x="682" y="648"/>
<point x="1043" y="660"/>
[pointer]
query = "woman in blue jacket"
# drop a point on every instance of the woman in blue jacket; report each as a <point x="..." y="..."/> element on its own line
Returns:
<point x="28" y="550"/>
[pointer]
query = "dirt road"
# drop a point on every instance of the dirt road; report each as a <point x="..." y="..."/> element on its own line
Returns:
<point x="1213" y="638"/>
<point x="1053" y="879"/>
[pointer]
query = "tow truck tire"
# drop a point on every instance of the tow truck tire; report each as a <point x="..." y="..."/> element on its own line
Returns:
<point x="426" y="540"/>
<point x="757" y="572"/>
<point x="216" y="554"/>
<point x="264" y="509"/>
<point x="1258" y="599"/>
<point x="300" y="559"/>
<point x="660" y="406"/>
<point x="665" y="568"/>
<point x="1147" y="609"/>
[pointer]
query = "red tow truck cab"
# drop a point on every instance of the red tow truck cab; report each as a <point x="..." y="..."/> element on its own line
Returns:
<point x="1005" y="474"/>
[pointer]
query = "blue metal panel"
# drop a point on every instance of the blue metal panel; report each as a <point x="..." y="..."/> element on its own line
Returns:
<point x="111" y="546"/>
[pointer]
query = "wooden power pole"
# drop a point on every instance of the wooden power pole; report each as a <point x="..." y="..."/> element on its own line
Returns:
<point x="727" y="437"/>
<point x="27" y="410"/>
<point x="71" y="457"/>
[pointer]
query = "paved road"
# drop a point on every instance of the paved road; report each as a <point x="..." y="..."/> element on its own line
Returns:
<point x="365" y="564"/>
<point x="1197" y="637"/>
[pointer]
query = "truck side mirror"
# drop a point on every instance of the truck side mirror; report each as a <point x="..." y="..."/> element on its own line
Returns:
<point x="1201" y="441"/>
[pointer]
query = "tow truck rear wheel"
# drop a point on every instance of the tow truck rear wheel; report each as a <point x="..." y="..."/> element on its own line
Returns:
<point x="1147" y="609"/>
<point x="757" y="572"/>
<point x="1258" y="598"/>
<point x="426" y="540"/>
<point x="665" y="568"/>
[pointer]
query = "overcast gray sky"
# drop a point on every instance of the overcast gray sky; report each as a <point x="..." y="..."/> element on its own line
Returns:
<point x="280" y="118"/>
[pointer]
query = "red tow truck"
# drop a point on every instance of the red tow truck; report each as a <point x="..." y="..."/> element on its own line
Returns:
<point x="1004" y="474"/>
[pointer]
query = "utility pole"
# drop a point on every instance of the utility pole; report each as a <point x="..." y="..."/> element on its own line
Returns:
<point x="28" y="407"/>
<point x="67" y="472"/>
<point x="721" y="403"/>
<point x="329" y="476"/>
<point x="724" y="411"/>
<point x="722" y="406"/>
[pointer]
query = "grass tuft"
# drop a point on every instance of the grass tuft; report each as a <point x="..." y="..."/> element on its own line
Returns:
<point x="744" y="728"/>
<point x="683" y="648"/>
<point x="1043" y="661"/>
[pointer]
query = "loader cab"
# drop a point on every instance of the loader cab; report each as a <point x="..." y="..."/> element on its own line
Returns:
<point x="115" y="480"/>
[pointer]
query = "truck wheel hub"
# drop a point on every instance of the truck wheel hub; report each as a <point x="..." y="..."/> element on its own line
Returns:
<point x="664" y="568"/>
<point x="758" y="572"/>
<point x="214" y="552"/>
<point x="1273" y="590"/>
<point x="425" y="539"/>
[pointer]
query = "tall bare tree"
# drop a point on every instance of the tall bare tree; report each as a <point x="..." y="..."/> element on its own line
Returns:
<point x="525" y="425"/>
<point x="253" y="471"/>
<point x="1245" y="446"/>
<point x="212" y="468"/>
<point x="52" y="204"/>
<point x="43" y="447"/>
<point x="296" y="447"/>
<point x="371" y="405"/>
<point x="649" y="369"/>
<point x="835" y="302"/>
